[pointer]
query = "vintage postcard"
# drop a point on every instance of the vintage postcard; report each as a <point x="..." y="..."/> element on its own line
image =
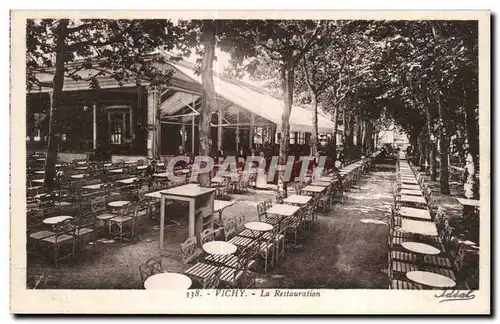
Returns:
<point x="256" y="162"/>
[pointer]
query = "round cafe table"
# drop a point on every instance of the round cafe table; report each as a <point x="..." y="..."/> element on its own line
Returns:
<point x="219" y="248"/>
<point x="118" y="203"/>
<point x="430" y="279"/>
<point x="258" y="226"/>
<point x="168" y="281"/>
<point x="420" y="248"/>
<point x="56" y="219"/>
<point x="258" y="229"/>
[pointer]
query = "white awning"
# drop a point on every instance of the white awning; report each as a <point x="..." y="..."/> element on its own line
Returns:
<point x="176" y="102"/>
<point x="262" y="104"/>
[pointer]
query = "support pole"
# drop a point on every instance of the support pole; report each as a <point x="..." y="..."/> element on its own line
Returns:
<point x="94" y="126"/>
<point x="183" y="140"/>
<point x="152" y="139"/>
<point x="250" y="135"/>
<point x="192" y="126"/>
<point x="219" y="129"/>
<point x="123" y="128"/>
<point x="237" y="129"/>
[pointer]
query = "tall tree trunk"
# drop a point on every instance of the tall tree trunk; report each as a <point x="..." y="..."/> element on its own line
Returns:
<point x="313" y="94"/>
<point x="55" y="105"/>
<point x="208" y="96"/>
<point x="314" y="134"/>
<point x="368" y="142"/>
<point x="414" y="145"/>
<point x="350" y="135"/>
<point x="334" y="131"/>
<point x="473" y="141"/>
<point x="432" y="145"/>
<point x="443" y="147"/>
<point x="346" y="128"/>
<point x="30" y="122"/>
<point x="421" y="148"/>
<point x="219" y="128"/>
<point x="359" y="133"/>
<point x="288" y="80"/>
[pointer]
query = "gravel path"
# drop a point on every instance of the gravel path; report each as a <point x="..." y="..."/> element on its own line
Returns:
<point x="349" y="247"/>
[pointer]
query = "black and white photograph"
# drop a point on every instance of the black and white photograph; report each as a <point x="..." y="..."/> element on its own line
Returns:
<point x="252" y="158"/>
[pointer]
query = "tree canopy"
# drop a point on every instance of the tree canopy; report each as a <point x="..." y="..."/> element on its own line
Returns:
<point x="420" y="75"/>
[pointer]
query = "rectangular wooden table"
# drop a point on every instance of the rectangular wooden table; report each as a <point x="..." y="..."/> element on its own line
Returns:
<point x="411" y="192"/>
<point x="412" y="199"/>
<point x="94" y="186"/>
<point x="409" y="181"/>
<point x="201" y="207"/>
<point x="321" y="183"/>
<point x="217" y="180"/>
<point x="410" y="186"/>
<point x="468" y="202"/>
<point x="418" y="227"/>
<point x="313" y="189"/>
<point x="127" y="180"/>
<point x="283" y="210"/>
<point x="297" y="199"/>
<point x="414" y="213"/>
<point x="327" y="178"/>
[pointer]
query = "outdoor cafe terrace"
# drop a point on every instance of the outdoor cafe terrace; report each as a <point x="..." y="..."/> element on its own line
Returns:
<point x="374" y="223"/>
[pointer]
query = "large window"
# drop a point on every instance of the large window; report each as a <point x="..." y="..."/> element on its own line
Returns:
<point x="301" y="138"/>
<point x="120" y="124"/>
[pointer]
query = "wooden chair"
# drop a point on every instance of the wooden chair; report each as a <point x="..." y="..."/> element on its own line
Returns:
<point x="268" y="204"/>
<point x="240" y="223"/>
<point x="62" y="243"/>
<point x="207" y="235"/>
<point x="141" y="215"/>
<point x="241" y="276"/>
<point x="229" y="228"/>
<point x="149" y="268"/>
<point x="401" y="284"/>
<point x="297" y="187"/>
<point x="231" y="276"/>
<point x="268" y="249"/>
<point x="37" y="281"/>
<point x="324" y="200"/>
<point x="141" y="192"/>
<point x="123" y="225"/>
<point x="213" y="280"/>
<point x="35" y="233"/>
<point x="295" y="225"/>
<point x="85" y="229"/>
<point x="261" y="211"/>
<point x="98" y="208"/>
<point x="190" y="251"/>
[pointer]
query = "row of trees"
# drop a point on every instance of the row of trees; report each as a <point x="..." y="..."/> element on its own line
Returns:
<point x="420" y="75"/>
<point x="365" y="71"/>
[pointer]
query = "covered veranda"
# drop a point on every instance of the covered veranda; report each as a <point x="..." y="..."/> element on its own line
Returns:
<point x="246" y="117"/>
<point x="134" y="121"/>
